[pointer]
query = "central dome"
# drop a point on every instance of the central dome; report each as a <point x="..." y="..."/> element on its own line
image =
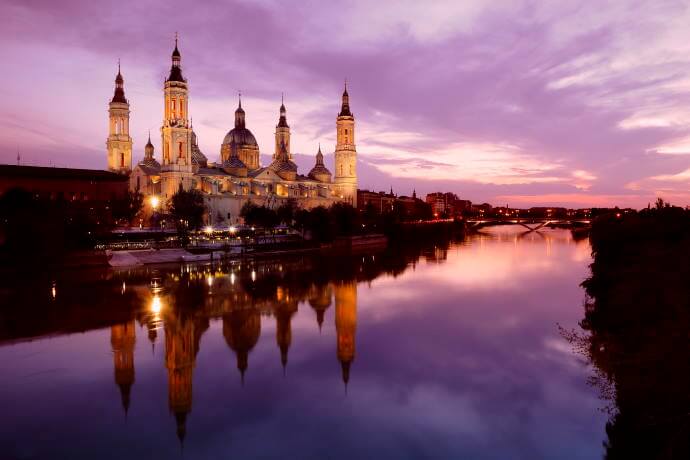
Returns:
<point x="241" y="137"/>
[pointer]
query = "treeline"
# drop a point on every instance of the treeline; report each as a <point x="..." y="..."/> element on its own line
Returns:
<point x="638" y="320"/>
<point x="323" y="224"/>
<point x="37" y="230"/>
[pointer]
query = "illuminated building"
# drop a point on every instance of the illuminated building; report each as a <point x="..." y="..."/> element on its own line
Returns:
<point x="122" y="340"/>
<point x="238" y="176"/>
<point x="119" y="143"/>
<point x="346" y="324"/>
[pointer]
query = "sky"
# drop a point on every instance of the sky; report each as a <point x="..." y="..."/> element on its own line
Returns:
<point x="517" y="102"/>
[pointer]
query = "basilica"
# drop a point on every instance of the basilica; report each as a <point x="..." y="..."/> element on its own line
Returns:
<point x="238" y="176"/>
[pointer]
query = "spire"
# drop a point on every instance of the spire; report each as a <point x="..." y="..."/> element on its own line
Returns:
<point x="345" y="108"/>
<point x="119" y="95"/>
<point x="176" y="52"/>
<point x="239" y="113"/>
<point x="319" y="156"/>
<point x="345" y="365"/>
<point x="282" y="121"/>
<point x="176" y="70"/>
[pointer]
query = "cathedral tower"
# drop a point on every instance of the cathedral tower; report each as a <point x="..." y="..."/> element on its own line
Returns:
<point x="282" y="133"/>
<point x="176" y="134"/>
<point x="119" y="144"/>
<point x="345" y="153"/>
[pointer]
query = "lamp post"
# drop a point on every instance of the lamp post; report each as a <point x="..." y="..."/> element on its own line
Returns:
<point x="155" y="202"/>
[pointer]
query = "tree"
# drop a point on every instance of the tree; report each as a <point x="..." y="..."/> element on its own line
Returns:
<point x="127" y="207"/>
<point x="187" y="207"/>
<point x="286" y="212"/>
<point x="344" y="218"/>
<point x="260" y="216"/>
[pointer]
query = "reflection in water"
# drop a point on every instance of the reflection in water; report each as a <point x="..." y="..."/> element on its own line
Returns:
<point x="345" y="324"/>
<point x="182" y="336"/>
<point x="122" y="339"/>
<point x="467" y="311"/>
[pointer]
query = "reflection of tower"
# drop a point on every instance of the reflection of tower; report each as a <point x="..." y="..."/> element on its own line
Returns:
<point x="346" y="324"/>
<point x="284" y="310"/>
<point x="241" y="329"/>
<point x="182" y="336"/>
<point x="320" y="300"/>
<point x="122" y="339"/>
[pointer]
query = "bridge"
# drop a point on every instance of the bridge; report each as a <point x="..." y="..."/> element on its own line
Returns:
<point x="532" y="224"/>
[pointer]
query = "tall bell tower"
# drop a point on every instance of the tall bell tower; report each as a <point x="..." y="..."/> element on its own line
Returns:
<point x="282" y="132"/>
<point x="176" y="134"/>
<point x="345" y="153"/>
<point x="119" y="144"/>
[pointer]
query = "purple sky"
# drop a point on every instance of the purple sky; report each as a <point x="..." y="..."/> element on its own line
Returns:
<point x="518" y="102"/>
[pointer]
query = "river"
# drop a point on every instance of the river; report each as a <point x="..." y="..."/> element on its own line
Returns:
<point x="446" y="351"/>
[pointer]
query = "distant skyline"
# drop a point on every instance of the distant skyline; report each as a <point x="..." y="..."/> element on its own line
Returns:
<point x="516" y="102"/>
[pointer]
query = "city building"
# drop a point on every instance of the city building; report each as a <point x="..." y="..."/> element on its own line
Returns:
<point x="83" y="185"/>
<point x="447" y="204"/>
<point x="238" y="176"/>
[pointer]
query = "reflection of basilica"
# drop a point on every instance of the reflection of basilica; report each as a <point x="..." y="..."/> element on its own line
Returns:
<point x="240" y="302"/>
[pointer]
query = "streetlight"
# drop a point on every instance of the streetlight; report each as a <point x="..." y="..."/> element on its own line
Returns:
<point x="155" y="201"/>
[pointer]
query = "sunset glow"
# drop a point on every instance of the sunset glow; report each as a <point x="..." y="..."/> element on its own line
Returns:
<point x="531" y="102"/>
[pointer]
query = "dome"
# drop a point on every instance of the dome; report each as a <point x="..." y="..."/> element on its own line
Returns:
<point x="233" y="162"/>
<point x="319" y="172"/>
<point x="241" y="137"/>
<point x="198" y="158"/>
<point x="283" y="165"/>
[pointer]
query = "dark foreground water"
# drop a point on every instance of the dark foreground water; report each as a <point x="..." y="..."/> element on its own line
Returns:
<point x="446" y="352"/>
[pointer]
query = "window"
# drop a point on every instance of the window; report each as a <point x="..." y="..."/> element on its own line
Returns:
<point x="180" y="146"/>
<point x="122" y="159"/>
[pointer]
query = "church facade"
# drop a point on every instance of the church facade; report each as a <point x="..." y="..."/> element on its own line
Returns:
<point x="238" y="176"/>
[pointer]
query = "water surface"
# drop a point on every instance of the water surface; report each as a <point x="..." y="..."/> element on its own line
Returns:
<point x="445" y="351"/>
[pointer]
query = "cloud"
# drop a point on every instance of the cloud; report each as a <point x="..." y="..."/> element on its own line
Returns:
<point x="484" y="99"/>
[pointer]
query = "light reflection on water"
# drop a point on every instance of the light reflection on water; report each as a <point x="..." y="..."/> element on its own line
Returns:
<point x="438" y="352"/>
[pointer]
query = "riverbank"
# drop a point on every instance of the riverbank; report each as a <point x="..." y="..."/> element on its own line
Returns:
<point x="127" y="258"/>
<point x="636" y="324"/>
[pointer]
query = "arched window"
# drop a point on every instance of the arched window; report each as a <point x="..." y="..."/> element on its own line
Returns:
<point x="122" y="159"/>
<point x="180" y="147"/>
